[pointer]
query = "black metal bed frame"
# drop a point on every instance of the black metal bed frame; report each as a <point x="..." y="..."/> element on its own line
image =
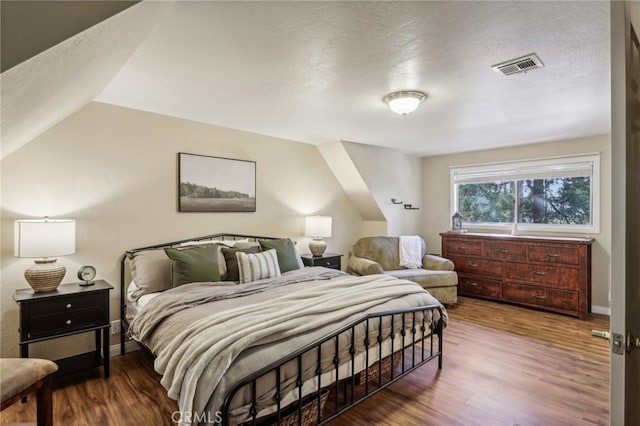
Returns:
<point x="345" y="392"/>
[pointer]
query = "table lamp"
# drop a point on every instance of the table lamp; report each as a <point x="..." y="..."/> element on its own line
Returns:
<point x="43" y="239"/>
<point x="317" y="227"/>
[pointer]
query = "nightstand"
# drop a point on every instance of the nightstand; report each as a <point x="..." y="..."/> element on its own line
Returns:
<point x="70" y="309"/>
<point x="328" y="260"/>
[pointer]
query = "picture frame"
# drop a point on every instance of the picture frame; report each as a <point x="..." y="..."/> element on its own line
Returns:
<point x="215" y="184"/>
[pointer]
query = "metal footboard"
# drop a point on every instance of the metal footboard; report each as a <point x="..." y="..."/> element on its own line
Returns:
<point x="417" y="345"/>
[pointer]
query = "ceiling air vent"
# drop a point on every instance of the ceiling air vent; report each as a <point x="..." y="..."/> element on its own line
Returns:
<point x="517" y="65"/>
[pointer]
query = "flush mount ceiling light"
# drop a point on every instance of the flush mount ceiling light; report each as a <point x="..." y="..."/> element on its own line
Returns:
<point x="405" y="101"/>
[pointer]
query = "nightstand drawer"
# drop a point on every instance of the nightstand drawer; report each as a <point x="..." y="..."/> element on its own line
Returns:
<point x="66" y="304"/>
<point x="65" y="322"/>
<point x="331" y="262"/>
<point x="328" y="260"/>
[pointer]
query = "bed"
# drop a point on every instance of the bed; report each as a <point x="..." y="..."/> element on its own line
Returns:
<point x="297" y="347"/>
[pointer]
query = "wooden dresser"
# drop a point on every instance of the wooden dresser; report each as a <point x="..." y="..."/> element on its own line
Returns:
<point x="552" y="273"/>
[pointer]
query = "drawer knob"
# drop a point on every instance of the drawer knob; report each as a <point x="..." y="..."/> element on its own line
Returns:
<point x="473" y="284"/>
<point x="537" y="296"/>
<point x="540" y="273"/>
<point x="474" y="265"/>
<point x="68" y="305"/>
<point x="553" y="255"/>
<point x="503" y="251"/>
<point x="68" y="322"/>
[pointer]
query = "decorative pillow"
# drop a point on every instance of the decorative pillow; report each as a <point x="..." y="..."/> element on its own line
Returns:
<point x="151" y="271"/>
<point x="257" y="266"/>
<point x="222" y="266"/>
<point x="229" y="256"/>
<point x="286" y="251"/>
<point x="190" y="265"/>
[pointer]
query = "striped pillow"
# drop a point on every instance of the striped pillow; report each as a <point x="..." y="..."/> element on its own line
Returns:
<point x="256" y="266"/>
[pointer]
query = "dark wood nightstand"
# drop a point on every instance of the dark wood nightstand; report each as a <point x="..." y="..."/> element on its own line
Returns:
<point x="70" y="309"/>
<point x="328" y="260"/>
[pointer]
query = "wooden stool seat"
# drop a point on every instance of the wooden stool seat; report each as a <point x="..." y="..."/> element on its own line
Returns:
<point x="21" y="376"/>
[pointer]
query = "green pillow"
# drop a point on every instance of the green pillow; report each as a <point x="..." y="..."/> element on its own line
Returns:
<point x="286" y="251"/>
<point x="197" y="264"/>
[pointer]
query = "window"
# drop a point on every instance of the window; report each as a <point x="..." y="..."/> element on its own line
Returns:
<point x="553" y="194"/>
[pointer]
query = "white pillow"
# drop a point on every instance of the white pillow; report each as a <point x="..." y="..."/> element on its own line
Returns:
<point x="256" y="266"/>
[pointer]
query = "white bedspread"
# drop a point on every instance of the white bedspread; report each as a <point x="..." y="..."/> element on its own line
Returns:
<point x="194" y="360"/>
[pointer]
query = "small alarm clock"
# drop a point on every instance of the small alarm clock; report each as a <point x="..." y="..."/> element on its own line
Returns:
<point x="87" y="273"/>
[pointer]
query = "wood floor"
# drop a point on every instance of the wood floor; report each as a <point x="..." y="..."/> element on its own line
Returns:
<point x="503" y="365"/>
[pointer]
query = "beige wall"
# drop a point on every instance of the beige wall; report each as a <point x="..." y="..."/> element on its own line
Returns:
<point x="113" y="170"/>
<point x="436" y="195"/>
<point x="388" y="174"/>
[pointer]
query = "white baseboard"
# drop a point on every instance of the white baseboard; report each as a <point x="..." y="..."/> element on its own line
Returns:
<point x="129" y="346"/>
<point x="604" y="310"/>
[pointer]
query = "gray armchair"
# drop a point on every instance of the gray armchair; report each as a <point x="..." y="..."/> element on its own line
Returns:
<point x="381" y="255"/>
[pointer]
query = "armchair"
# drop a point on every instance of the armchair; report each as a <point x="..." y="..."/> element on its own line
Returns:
<point x="380" y="255"/>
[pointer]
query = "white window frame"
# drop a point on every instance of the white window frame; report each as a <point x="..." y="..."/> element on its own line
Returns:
<point x="525" y="169"/>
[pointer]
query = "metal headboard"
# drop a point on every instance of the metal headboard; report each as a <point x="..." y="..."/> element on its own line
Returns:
<point x="124" y="324"/>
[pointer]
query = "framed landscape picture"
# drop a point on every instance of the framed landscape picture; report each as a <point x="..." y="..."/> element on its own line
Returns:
<point x="214" y="184"/>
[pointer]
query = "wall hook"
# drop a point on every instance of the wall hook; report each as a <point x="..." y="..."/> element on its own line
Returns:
<point x="394" y="201"/>
<point x="410" y="207"/>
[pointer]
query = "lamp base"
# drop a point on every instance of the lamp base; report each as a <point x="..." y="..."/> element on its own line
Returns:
<point x="317" y="247"/>
<point x="45" y="275"/>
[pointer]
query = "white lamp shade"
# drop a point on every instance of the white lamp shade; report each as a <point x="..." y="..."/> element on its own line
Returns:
<point x="317" y="226"/>
<point x="44" y="238"/>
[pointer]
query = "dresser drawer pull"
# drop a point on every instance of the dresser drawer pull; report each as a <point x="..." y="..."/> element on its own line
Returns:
<point x="553" y="255"/>
<point x="474" y="265"/>
<point x="68" y="322"/>
<point x="68" y="306"/>
<point x="537" y="296"/>
<point x="540" y="273"/>
<point x="474" y="284"/>
<point x="505" y="251"/>
<point x="463" y="248"/>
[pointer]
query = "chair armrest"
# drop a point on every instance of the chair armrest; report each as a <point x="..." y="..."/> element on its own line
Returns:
<point x="436" y="263"/>
<point x="362" y="266"/>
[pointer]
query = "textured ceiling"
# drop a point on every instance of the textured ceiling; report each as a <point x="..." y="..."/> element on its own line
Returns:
<point x="317" y="71"/>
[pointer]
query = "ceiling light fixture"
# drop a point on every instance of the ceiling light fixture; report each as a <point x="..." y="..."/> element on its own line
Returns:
<point x="405" y="101"/>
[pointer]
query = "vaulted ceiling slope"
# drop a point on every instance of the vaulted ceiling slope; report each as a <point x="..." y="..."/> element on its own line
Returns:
<point x="316" y="72"/>
<point x="46" y="88"/>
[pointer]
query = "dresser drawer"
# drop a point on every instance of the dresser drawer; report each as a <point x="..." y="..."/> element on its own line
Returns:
<point x="546" y="276"/>
<point x="66" y="303"/>
<point x="504" y="250"/>
<point x="471" y="265"/>
<point x="464" y="246"/>
<point x="566" y="300"/>
<point x="480" y="287"/>
<point x="65" y="322"/>
<point x="556" y="254"/>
